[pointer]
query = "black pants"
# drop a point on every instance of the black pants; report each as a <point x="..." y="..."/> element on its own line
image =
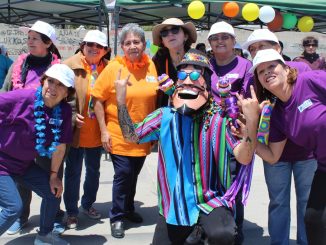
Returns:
<point x="219" y="227"/>
<point x="126" y="171"/>
<point x="315" y="218"/>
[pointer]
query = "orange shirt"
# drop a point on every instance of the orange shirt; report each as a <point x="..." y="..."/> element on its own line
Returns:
<point x="140" y="101"/>
<point x="90" y="134"/>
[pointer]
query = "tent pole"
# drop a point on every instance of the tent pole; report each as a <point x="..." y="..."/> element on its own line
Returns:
<point x="99" y="18"/>
<point x="116" y="27"/>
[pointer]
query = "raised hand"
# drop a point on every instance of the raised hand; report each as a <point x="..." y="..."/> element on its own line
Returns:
<point x="121" y="88"/>
<point x="250" y="106"/>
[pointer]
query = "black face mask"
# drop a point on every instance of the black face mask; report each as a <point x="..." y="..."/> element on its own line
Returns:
<point x="185" y="110"/>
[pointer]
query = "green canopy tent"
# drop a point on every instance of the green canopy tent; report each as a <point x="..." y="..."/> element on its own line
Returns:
<point x="56" y="12"/>
<point x="149" y="12"/>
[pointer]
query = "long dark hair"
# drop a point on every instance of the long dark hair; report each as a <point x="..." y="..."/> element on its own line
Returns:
<point x="52" y="49"/>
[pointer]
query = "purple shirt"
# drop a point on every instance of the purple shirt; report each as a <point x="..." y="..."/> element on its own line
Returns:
<point x="293" y="152"/>
<point x="237" y="73"/>
<point x="17" y="141"/>
<point x="33" y="77"/>
<point x="300" y="66"/>
<point x="302" y="118"/>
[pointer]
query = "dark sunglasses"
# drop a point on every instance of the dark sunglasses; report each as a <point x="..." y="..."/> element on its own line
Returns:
<point x="310" y="44"/>
<point x="216" y="37"/>
<point x="91" y="44"/>
<point x="194" y="75"/>
<point x="173" y="30"/>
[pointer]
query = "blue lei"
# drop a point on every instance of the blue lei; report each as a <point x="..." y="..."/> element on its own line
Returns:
<point x="40" y="125"/>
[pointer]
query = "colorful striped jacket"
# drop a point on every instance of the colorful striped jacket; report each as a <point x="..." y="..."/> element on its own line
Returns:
<point x="193" y="165"/>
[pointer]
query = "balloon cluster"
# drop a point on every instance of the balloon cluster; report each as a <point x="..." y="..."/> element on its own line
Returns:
<point x="274" y="20"/>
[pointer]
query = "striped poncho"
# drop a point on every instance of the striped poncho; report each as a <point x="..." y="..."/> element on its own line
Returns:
<point x="193" y="166"/>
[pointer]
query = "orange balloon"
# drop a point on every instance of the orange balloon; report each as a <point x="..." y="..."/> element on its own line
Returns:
<point x="277" y="23"/>
<point x="230" y="9"/>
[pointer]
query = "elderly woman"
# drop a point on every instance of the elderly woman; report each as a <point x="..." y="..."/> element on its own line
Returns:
<point x="35" y="123"/>
<point x="310" y="56"/>
<point x="299" y="114"/>
<point x="174" y="37"/>
<point x="86" y="64"/>
<point x="128" y="158"/>
<point x="26" y="72"/>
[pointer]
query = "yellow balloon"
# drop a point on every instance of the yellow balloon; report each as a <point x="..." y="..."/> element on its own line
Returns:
<point x="250" y="11"/>
<point x="196" y="9"/>
<point x="305" y="24"/>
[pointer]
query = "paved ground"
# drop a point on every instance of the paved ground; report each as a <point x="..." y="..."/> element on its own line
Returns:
<point x="98" y="232"/>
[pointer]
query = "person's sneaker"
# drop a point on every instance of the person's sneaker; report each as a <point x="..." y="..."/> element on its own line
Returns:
<point x="58" y="228"/>
<point x="92" y="213"/>
<point x="134" y="217"/>
<point x="49" y="239"/>
<point x="72" y="222"/>
<point x="16" y="227"/>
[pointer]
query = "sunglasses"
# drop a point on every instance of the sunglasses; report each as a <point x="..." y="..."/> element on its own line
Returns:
<point x="174" y="30"/>
<point x="216" y="38"/>
<point x="310" y="45"/>
<point x="91" y="45"/>
<point x="194" y="75"/>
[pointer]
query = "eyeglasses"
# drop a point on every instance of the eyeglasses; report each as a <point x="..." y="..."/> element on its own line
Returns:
<point x="174" y="30"/>
<point x="216" y="37"/>
<point x="91" y="45"/>
<point x="194" y="75"/>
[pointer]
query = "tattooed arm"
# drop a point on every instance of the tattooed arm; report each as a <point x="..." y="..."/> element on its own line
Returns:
<point x="126" y="125"/>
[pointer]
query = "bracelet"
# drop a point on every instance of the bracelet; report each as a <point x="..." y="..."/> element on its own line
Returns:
<point x="53" y="172"/>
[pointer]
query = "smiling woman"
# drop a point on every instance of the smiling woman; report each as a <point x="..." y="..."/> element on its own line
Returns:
<point x="87" y="64"/>
<point x="174" y="37"/>
<point x="128" y="158"/>
<point x="40" y="125"/>
<point x="299" y="114"/>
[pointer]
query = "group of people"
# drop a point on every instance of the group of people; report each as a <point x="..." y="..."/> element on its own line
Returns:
<point x="202" y="111"/>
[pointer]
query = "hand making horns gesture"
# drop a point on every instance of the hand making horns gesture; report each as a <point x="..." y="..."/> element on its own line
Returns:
<point x="121" y="88"/>
<point x="250" y="106"/>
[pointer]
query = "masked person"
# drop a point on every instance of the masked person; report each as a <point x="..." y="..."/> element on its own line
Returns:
<point x="195" y="143"/>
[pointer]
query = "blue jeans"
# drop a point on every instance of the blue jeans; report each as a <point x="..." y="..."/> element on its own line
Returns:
<point x="37" y="180"/>
<point x="278" y="180"/>
<point x="74" y="164"/>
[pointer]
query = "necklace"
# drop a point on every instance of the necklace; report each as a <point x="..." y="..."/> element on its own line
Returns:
<point x="40" y="126"/>
<point x="17" y="82"/>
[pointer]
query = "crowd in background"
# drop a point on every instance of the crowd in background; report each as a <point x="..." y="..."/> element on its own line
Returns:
<point x="72" y="111"/>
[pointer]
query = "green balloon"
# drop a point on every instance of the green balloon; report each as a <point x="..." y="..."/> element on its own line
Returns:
<point x="153" y="49"/>
<point x="289" y="21"/>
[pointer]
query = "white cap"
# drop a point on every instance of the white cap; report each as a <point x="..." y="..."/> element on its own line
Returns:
<point x="258" y="36"/>
<point x="42" y="27"/>
<point x="221" y="27"/>
<point x="265" y="56"/>
<point x="95" y="36"/>
<point x="62" y="73"/>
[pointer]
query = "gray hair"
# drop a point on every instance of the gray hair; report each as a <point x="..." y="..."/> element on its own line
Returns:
<point x="131" y="28"/>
